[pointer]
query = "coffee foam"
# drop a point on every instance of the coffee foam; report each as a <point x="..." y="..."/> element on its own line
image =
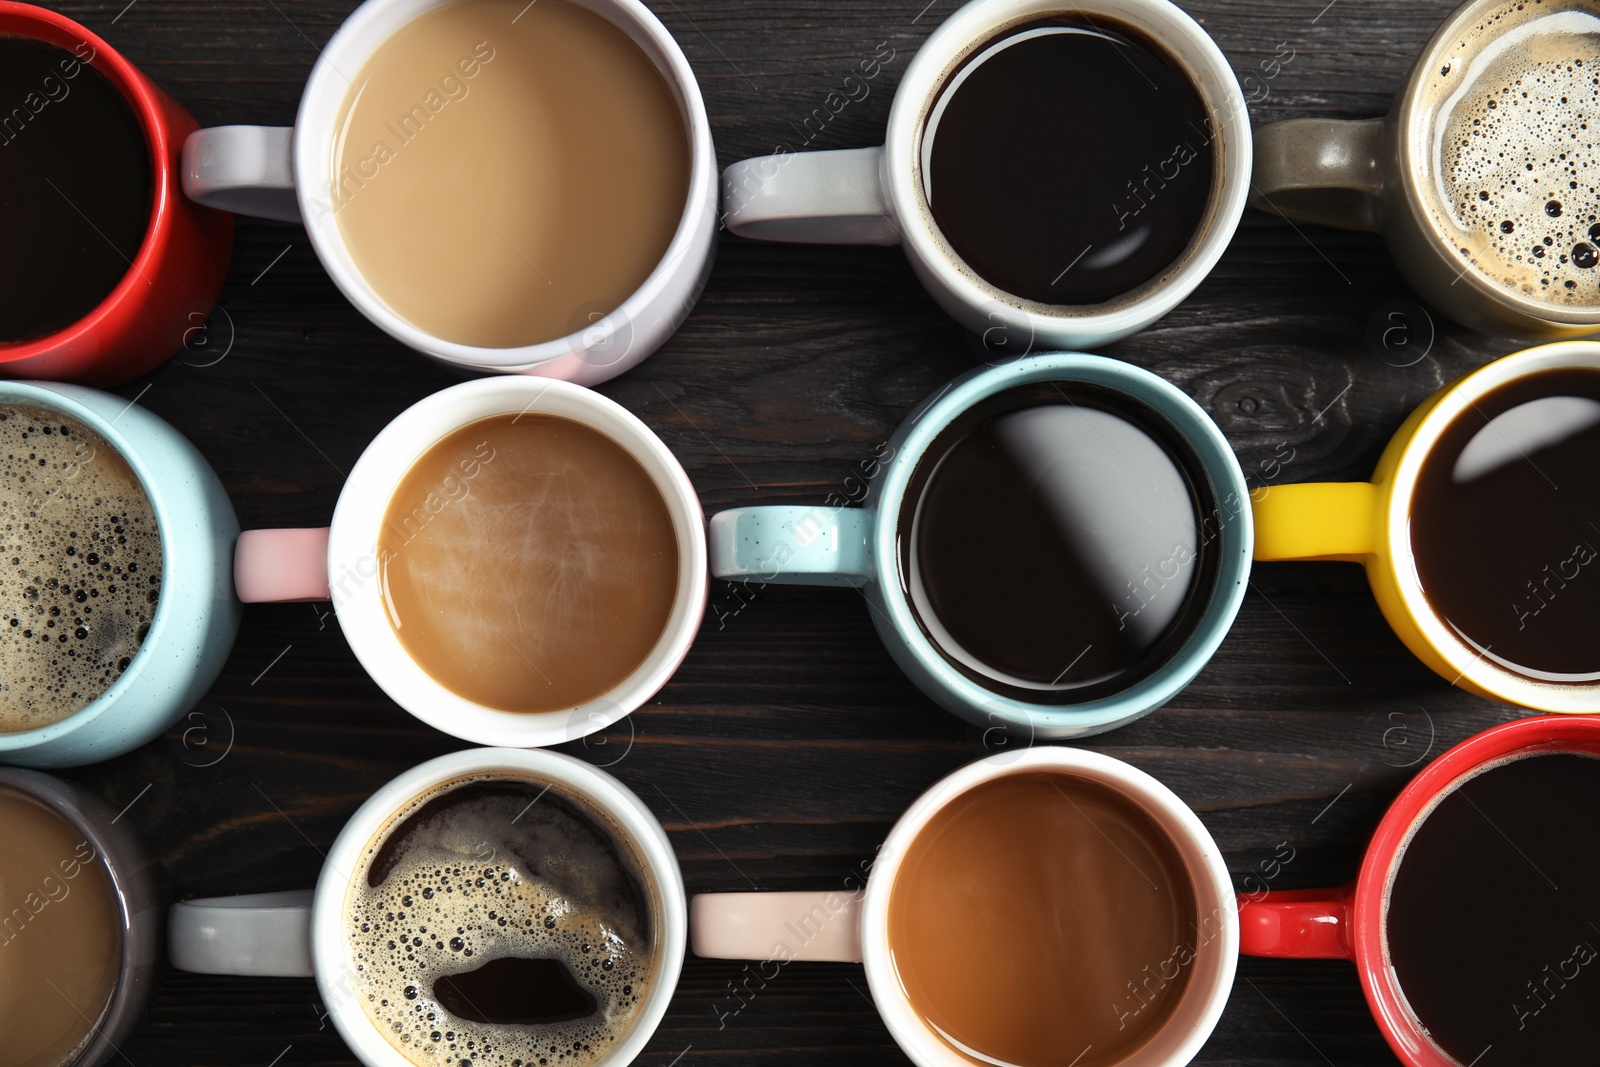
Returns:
<point x="80" y="566"/>
<point x="468" y="875"/>
<point x="1515" y="166"/>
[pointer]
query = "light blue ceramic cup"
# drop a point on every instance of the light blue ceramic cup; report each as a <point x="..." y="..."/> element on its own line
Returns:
<point x="197" y="615"/>
<point x="855" y="546"/>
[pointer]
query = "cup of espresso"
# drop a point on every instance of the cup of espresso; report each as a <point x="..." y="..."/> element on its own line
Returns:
<point x="116" y="595"/>
<point x="1471" y="915"/>
<point x="1031" y="907"/>
<point x="1127" y="162"/>
<point x="106" y="269"/>
<point x="80" y="924"/>
<point x="1477" y="177"/>
<point x="485" y="906"/>
<point x="1055" y="545"/>
<point x="506" y="187"/>
<point x="1478" y="528"/>
<point x="516" y="561"/>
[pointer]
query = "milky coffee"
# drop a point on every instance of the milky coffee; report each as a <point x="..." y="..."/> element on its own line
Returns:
<point x="1512" y="119"/>
<point x="500" y="919"/>
<point x="60" y="935"/>
<point x="80" y="566"/>
<point x="507" y="173"/>
<point x="1044" y="919"/>
<point x="528" y="562"/>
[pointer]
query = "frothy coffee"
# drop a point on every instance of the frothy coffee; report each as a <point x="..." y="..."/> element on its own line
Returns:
<point x="1513" y="114"/>
<point x="501" y="921"/>
<point x="80" y="566"/>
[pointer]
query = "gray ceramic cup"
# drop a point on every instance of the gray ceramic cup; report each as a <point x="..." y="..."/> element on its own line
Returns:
<point x="135" y="887"/>
<point x="1374" y="175"/>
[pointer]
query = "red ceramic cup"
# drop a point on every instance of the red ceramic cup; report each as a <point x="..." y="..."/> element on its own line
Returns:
<point x="1348" y="923"/>
<point x="168" y="292"/>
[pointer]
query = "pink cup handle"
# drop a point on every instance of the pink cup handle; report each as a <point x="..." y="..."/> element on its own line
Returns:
<point x="281" y="565"/>
<point x="776" y="926"/>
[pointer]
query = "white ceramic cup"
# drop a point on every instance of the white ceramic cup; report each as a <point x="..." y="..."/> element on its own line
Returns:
<point x="875" y="195"/>
<point x="853" y="925"/>
<point x="340" y="563"/>
<point x="302" y="934"/>
<point x="286" y="172"/>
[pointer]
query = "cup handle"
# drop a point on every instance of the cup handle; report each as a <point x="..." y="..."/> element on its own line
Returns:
<point x="776" y="926"/>
<point x="818" y="198"/>
<point x="278" y="566"/>
<point x="1300" y="924"/>
<point x="789" y="545"/>
<point x="248" y="170"/>
<point x="1317" y="520"/>
<point x="1327" y="171"/>
<point x="265" y="934"/>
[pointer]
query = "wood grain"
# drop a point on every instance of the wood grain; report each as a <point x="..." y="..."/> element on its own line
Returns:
<point x="788" y="743"/>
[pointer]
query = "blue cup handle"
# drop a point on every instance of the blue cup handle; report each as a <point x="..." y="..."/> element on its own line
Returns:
<point x="791" y="545"/>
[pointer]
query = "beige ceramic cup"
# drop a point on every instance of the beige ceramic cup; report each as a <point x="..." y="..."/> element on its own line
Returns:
<point x="1377" y="175"/>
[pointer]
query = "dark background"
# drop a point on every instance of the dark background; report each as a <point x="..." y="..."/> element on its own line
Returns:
<point x="788" y="743"/>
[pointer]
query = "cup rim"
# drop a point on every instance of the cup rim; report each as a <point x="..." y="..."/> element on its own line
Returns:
<point x="330" y="961"/>
<point x="63" y="397"/>
<point x="1203" y="859"/>
<point x="1411" y="114"/>
<point x="358" y="34"/>
<point x="1400" y="560"/>
<point x="972" y="25"/>
<point x="142" y="99"/>
<point x="362" y="618"/>
<point x="1162" y="400"/>
<point x="1368" y="919"/>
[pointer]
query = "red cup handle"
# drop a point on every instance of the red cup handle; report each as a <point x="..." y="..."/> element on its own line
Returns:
<point x="1301" y="924"/>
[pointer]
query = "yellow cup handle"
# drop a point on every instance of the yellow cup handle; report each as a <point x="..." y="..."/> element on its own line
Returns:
<point x="1317" y="520"/>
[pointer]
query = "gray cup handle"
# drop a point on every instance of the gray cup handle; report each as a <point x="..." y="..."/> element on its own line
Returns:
<point x="1326" y="171"/>
<point x="244" y="169"/>
<point x="833" y="198"/>
<point x="267" y="934"/>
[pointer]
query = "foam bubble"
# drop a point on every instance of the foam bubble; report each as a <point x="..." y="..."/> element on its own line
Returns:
<point x="80" y="566"/>
<point x="1516" y="173"/>
<point x="483" y="869"/>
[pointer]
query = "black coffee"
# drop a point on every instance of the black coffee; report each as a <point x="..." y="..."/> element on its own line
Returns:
<point x="74" y="187"/>
<point x="499" y="920"/>
<point x="1492" y="924"/>
<point x="1505" y="526"/>
<point x="1070" y="162"/>
<point x="1057" y="543"/>
<point x="513" y="991"/>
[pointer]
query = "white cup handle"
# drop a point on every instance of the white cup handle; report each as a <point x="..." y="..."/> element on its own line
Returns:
<point x="248" y="170"/>
<point x="776" y="926"/>
<point x="265" y="934"/>
<point x="819" y="198"/>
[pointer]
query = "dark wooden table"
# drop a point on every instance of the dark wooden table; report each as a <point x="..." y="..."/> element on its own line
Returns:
<point x="788" y="743"/>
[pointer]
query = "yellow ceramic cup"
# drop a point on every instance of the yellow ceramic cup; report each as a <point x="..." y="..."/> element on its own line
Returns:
<point x="1369" y="523"/>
